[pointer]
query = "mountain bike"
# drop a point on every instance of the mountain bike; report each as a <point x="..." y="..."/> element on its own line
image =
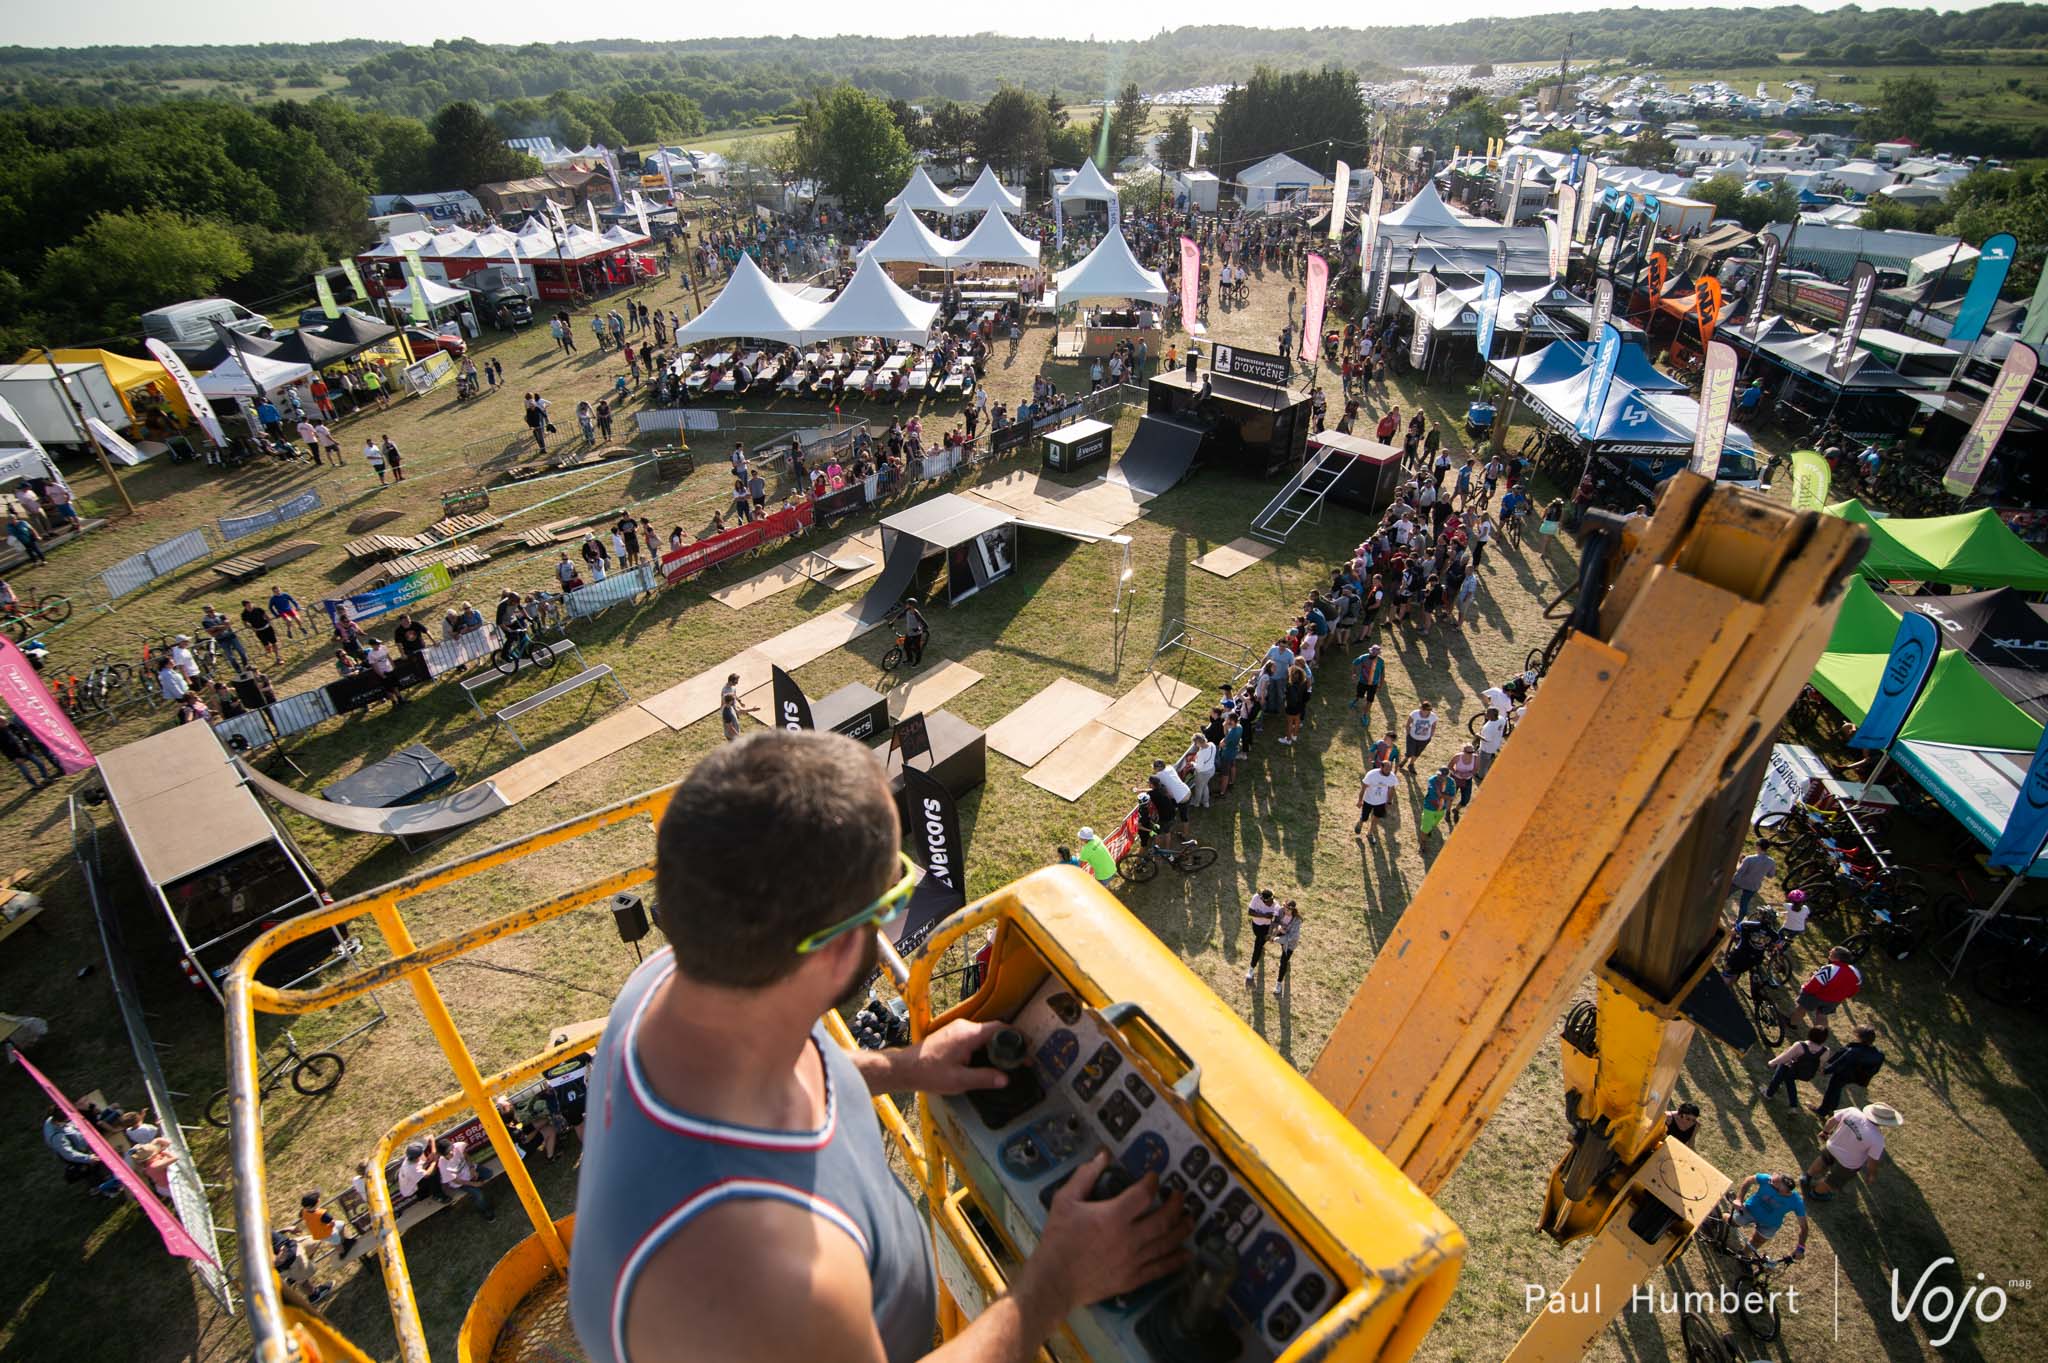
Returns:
<point x="32" y="614"/>
<point x="523" y="648"/>
<point x="1758" y="1299"/>
<point x="311" y="1073"/>
<point x="1141" y="863"/>
<point x="1706" y="1342"/>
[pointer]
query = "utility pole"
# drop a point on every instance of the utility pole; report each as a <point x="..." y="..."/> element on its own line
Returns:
<point x="1564" y="71"/>
<point x="84" y="433"/>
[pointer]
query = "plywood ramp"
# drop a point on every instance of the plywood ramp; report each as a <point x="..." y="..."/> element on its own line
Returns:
<point x="1228" y="560"/>
<point x="814" y="638"/>
<point x="615" y="732"/>
<point x="689" y="701"/>
<point x="816" y="565"/>
<point x="1154" y="700"/>
<point x="1075" y="767"/>
<point x="1032" y="730"/>
<point x="931" y="688"/>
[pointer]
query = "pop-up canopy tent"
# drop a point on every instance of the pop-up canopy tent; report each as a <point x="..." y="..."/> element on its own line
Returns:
<point x="234" y="378"/>
<point x="987" y="192"/>
<point x="907" y="239"/>
<point x="1427" y="235"/>
<point x="1110" y="271"/>
<point x="872" y="305"/>
<point x="995" y="240"/>
<point x="311" y="348"/>
<point x="1087" y="185"/>
<point x="752" y="305"/>
<point x="920" y="193"/>
<point x="355" y="330"/>
<point x="1969" y="549"/>
<point x="219" y="353"/>
<point x="2004" y="634"/>
<point x="1563" y="359"/>
<point x="127" y="374"/>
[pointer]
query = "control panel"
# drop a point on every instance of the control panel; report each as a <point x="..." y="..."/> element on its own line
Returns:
<point x="1077" y="1085"/>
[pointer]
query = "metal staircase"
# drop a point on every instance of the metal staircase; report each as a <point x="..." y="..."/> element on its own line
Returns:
<point x="1302" y="498"/>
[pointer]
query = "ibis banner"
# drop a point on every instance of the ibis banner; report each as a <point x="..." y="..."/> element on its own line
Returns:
<point x="2000" y="405"/>
<point x="792" y="707"/>
<point x="1862" y="290"/>
<point x="1190" y="286"/>
<point x="1489" y="314"/>
<point x="2026" y="828"/>
<point x="1313" y="302"/>
<point x="1810" y="478"/>
<point x="1994" y="259"/>
<point x="1425" y="319"/>
<point x="1915" y="650"/>
<point x="1339" y="198"/>
<point x="195" y="401"/>
<point x="1717" y="396"/>
<point x="1606" y="356"/>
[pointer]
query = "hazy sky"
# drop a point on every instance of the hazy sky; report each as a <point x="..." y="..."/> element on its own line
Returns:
<point x="138" y="22"/>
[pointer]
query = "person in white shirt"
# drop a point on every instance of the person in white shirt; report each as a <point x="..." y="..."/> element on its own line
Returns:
<point x="1797" y="911"/>
<point x="1203" y="754"/>
<point x="182" y="658"/>
<point x="1262" y="911"/>
<point x="170" y="684"/>
<point x="1491" y="735"/>
<point x="1375" y="793"/>
<point x="1852" y="1144"/>
<point x="460" y="1176"/>
<point x="1497" y="700"/>
<point x="1170" y="794"/>
<point x="1422" y="723"/>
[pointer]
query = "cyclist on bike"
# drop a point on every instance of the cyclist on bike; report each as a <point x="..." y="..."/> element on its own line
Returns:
<point x="1169" y="794"/>
<point x="916" y="631"/>
<point x="512" y="622"/>
<point x="1763" y="1202"/>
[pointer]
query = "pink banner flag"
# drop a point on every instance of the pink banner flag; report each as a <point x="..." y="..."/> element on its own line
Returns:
<point x="176" y="1239"/>
<point x="1312" y="308"/>
<point x="24" y="693"/>
<point x="1190" y="285"/>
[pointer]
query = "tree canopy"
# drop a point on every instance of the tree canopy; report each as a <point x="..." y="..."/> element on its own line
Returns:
<point x="1317" y="117"/>
<point x="849" y="140"/>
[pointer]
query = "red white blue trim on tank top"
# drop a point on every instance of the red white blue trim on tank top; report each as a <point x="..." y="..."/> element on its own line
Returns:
<point x="699" y="1128"/>
<point x="724" y="1190"/>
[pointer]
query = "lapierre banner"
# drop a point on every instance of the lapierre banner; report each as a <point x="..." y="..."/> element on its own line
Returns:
<point x="715" y="549"/>
<point x="1258" y="365"/>
<point x="195" y="401"/>
<point x="1717" y="396"/>
<point x="2026" y="828"/>
<point x="1314" y="299"/>
<point x="2001" y="404"/>
<point x="792" y="707"/>
<point x="1606" y="355"/>
<point x="1190" y="286"/>
<point x="1489" y="314"/>
<point x="29" y="701"/>
<point x="390" y="597"/>
<point x="1862" y="292"/>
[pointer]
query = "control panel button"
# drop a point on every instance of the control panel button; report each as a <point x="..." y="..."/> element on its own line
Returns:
<point x="1308" y="1293"/>
<point x="1056" y="1055"/>
<point x="1213" y="1181"/>
<point x="1145" y="1155"/>
<point x="1136" y="1086"/>
<point x="1119" y="1115"/>
<point x="1283" y="1322"/>
<point x="1093" y="1075"/>
<point x="1195" y="1161"/>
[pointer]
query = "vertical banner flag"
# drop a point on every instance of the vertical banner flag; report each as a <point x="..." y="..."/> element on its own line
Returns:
<point x="2026" y="828"/>
<point x="590" y="206"/>
<point x="1059" y="223"/>
<point x="1194" y="146"/>
<point x="640" y="208"/>
<point x="792" y="707"/>
<point x="355" y="279"/>
<point x="1339" y="198"/>
<point x="1707" y="307"/>
<point x="560" y="219"/>
<point x="118" y="449"/>
<point x="1589" y="196"/>
<point x="1369" y="235"/>
<point x="1915" y="650"/>
<point x="1500" y="259"/>
<point x="611" y="168"/>
<point x="1766" y="280"/>
<point x="202" y="411"/>
<point x="1425" y="319"/>
<point x="668" y="175"/>
<point x="13" y="418"/>
<point x="1600" y="378"/>
<point x="1510" y="208"/>
<point x="1717" y="396"/>
<point x="31" y="703"/>
<point x="1315" y="297"/>
<point x="1489" y="315"/>
<point x="325" y="292"/>
<point x="1660" y="274"/>
<point x="2036" y="329"/>
<point x="2000" y="405"/>
<point x="1862" y="289"/>
<point x="413" y="266"/>
<point x="1382" y="277"/>
<point x="1561" y="231"/>
<point x="1994" y="259"/>
<point x="1810" y="478"/>
<point x="1603" y="307"/>
<point x="1578" y="173"/>
<point x="937" y="848"/>
<point x="418" y="293"/>
<point x="1190" y="286"/>
<point x="177" y="1240"/>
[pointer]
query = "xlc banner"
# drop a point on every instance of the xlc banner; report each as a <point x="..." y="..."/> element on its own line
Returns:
<point x="1425" y="319"/>
<point x="325" y="292"/>
<point x="1862" y="290"/>
<point x="2000" y="405"/>
<point x="1994" y="259"/>
<point x="1766" y="280"/>
<point x="30" y="702"/>
<point x="1339" y="198"/>
<point x="1489" y="315"/>
<point x="202" y="411"/>
<point x="1810" y="478"/>
<point x="1717" y="395"/>
<point x="1369" y="236"/>
<point x="355" y="279"/>
<point x="2026" y="828"/>
<point x="1314" y="299"/>
<point x="1382" y="279"/>
<point x="1915" y="650"/>
<point x="1603" y="307"/>
<point x="792" y="707"/>
<point x="1561" y="231"/>
<point x="1606" y="356"/>
<point x="936" y="847"/>
<point x="1190" y="286"/>
<point x="1707" y="307"/>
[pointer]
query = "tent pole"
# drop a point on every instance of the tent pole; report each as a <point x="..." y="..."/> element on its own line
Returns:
<point x="1979" y="917"/>
<point x="78" y="418"/>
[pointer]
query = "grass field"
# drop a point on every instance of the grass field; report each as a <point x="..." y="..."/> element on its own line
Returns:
<point x="82" y="1271"/>
<point x="1998" y="92"/>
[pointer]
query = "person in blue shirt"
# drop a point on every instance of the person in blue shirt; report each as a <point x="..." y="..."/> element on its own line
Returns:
<point x="1370" y="669"/>
<point x="1766" y="1200"/>
<point x="285" y="608"/>
<point x="1751" y="396"/>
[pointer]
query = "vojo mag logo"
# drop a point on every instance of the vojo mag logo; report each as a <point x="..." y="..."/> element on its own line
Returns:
<point x="1903" y="670"/>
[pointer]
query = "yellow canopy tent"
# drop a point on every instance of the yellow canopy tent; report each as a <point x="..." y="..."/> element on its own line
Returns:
<point x="129" y="377"/>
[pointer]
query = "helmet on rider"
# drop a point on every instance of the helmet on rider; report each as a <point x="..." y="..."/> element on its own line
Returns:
<point x="1796" y="897"/>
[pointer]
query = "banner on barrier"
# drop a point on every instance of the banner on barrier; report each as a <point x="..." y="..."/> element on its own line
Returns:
<point x="390" y="597"/>
<point x="241" y="527"/>
<point x="716" y="549"/>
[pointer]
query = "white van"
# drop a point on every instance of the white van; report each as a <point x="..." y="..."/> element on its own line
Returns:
<point x="189" y="326"/>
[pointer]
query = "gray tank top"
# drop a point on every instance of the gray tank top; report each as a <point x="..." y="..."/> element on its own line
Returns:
<point x="649" y="1168"/>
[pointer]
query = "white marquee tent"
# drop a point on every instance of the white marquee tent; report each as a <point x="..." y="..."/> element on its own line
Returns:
<point x="1086" y="184"/>
<point x="872" y="305"/>
<point x="233" y="379"/>
<point x="988" y="192"/>
<point x="905" y="238"/>
<point x="995" y="240"/>
<point x="751" y="304"/>
<point x="921" y="193"/>
<point x="1110" y="271"/>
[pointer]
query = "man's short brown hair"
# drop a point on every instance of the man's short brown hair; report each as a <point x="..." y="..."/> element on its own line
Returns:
<point x="769" y="840"/>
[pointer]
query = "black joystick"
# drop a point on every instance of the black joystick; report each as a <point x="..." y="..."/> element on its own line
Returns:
<point x="1188" y="1324"/>
<point x="1009" y="1050"/>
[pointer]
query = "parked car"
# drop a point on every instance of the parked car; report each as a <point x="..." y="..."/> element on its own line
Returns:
<point x="423" y="343"/>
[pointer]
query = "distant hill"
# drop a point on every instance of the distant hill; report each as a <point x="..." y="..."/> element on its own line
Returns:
<point x="735" y="80"/>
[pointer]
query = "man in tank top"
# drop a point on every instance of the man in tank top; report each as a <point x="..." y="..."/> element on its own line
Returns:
<point x="735" y="1203"/>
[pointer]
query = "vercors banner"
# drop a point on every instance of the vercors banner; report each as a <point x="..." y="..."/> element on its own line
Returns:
<point x="31" y="703"/>
<point x="792" y="707"/>
<point x="936" y="847"/>
<point x="1314" y="300"/>
<point x="1915" y="650"/>
<point x="2001" y="404"/>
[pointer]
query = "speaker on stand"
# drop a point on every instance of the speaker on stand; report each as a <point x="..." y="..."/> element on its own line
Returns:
<point x="629" y="916"/>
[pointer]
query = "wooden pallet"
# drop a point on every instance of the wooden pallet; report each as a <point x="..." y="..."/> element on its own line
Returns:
<point x="242" y="567"/>
<point x="370" y="520"/>
<point x="449" y="527"/>
<point x="457" y="560"/>
<point x="370" y="548"/>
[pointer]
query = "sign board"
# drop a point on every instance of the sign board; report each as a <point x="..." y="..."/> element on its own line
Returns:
<point x="1792" y="769"/>
<point x="1072" y="446"/>
<point x="1257" y="365"/>
<point x="911" y="738"/>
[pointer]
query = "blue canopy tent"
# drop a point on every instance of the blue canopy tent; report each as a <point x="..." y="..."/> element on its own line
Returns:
<point x="1565" y="359"/>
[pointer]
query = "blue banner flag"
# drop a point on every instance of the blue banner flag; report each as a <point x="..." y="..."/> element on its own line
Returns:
<point x="1915" y="650"/>
<point x="1993" y="260"/>
<point x="2026" y="829"/>
<point x="1599" y="378"/>
<point x="1489" y="314"/>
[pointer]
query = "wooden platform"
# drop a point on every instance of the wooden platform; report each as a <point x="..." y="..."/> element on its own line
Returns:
<point x="1149" y="704"/>
<point x="1048" y="719"/>
<point x="457" y="560"/>
<point x="615" y="732"/>
<point x="370" y="548"/>
<point x="818" y="565"/>
<point x="370" y="520"/>
<point x="1228" y="560"/>
<point x="449" y="527"/>
<point x="931" y="688"/>
<point x="1076" y="766"/>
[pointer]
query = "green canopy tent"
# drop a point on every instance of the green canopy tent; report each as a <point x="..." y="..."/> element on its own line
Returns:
<point x="1972" y="548"/>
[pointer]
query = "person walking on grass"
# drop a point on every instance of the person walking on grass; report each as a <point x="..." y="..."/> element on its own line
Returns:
<point x="1828" y="988"/>
<point x="393" y="461"/>
<point x="1375" y="797"/>
<point x="1422" y="723"/>
<point x="1296" y="702"/>
<point x="1369" y="670"/>
<point x="1286" y="935"/>
<point x="1856" y="1063"/>
<point x="373" y="455"/>
<point x="1800" y="1060"/>
<point x="1263" y="911"/>
<point x="263" y="627"/>
<point x="1852" y="1144"/>
<point x="1437" y="794"/>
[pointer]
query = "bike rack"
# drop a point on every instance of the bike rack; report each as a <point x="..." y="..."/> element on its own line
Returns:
<point x="1184" y="637"/>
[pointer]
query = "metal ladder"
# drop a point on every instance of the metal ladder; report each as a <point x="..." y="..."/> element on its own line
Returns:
<point x="1302" y="497"/>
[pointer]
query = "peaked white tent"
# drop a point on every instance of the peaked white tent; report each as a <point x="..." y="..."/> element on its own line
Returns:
<point x="234" y="378"/>
<point x="1110" y="271"/>
<point x="921" y="193"/>
<point x="751" y="304"/>
<point x="988" y="192"/>
<point x="995" y="240"/>
<point x="872" y="305"/>
<point x="1426" y="210"/>
<point x="905" y="238"/>
<point x="618" y="234"/>
<point x="1086" y="184"/>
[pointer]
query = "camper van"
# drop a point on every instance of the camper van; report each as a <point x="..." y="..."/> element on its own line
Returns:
<point x="188" y="327"/>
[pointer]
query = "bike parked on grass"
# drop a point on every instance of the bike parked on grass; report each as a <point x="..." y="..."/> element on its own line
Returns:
<point x="34" y="614"/>
<point x="311" y="1073"/>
